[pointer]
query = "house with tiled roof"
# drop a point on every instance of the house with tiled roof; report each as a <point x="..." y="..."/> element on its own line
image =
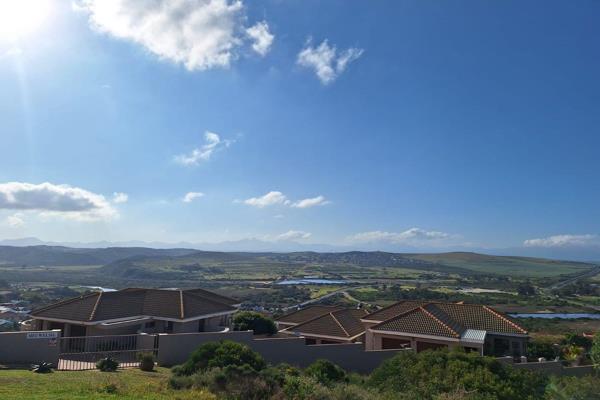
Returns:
<point x="337" y="325"/>
<point x="423" y="325"/>
<point x="137" y="310"/>
<point x="303" y="315"/>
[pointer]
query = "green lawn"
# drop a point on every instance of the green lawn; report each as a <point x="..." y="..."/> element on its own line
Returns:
<point x="125" y="384"/>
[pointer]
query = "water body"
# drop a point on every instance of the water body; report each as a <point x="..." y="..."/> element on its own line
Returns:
<point x="100" y="288"/>
<point x="311" y="281"/>
<point x="557" y="315"/>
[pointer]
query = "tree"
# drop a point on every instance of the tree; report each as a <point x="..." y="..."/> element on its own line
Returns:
<point x="253" y="321"/>
<point x="526" y="289"/>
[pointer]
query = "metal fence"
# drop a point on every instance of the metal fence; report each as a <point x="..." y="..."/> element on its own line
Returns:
<point x="83" y="352"/>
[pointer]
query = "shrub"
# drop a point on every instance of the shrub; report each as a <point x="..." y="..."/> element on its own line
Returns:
<point x="146" y="361"/>
<point x="572" y="388"/>
<point x="253" y="321"/>
<point x="220" y="354"/>
<point x="305" y="388"/>
<point x="107" y="365"/>
<point x="431" y="373"/>
<point x="42" y="368"/>
<point x="542" y="347"/>
<point x="180" y="382"/>
<point x="326" y="372"/>
<point x="595" y="351"/>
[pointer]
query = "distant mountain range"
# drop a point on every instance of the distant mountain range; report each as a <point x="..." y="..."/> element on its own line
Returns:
<point x="262" y="246"/>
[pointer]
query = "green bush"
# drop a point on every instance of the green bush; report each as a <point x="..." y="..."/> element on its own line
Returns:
<point x="595" y="351"/>
<point x="572" y="388"/>
<point x="542" y="347"/>
<point x="146" y="361"/>
<point x="305" y="388"/>
<point x="253" y="321"/>
<point x="220" y="354"/>
<point x="326" y="372"/>
<point x="432" y="373"/>
<point x="107" y="365"/>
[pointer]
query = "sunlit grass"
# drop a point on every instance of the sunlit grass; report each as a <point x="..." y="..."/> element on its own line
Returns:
<point x="125" y="384"/>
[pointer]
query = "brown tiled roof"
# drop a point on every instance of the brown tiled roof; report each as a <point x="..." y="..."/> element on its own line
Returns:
<point x="343" y="323"/>
<point x="393" y="310"/>
<point x="133" y="302"/>
<point x="418" y="321"/>
<point x="306" y="314"/>
<point x="447" y="319"/>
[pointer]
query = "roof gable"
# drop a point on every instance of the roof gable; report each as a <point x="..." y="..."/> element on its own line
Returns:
<point x="306" y="314"/>
<point x="342" y="323"/>
<point x="134" y="302"/>
<point x="456" y="318"/>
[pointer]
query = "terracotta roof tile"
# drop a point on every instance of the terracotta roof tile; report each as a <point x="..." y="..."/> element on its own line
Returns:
<point x="394" y="310"/>
<point x="343" y="323"/>
<point x="135" y="302"/>
<point x="306" y="314"/>
<point x="455" y="318"/>
<point x="417" y="321"/>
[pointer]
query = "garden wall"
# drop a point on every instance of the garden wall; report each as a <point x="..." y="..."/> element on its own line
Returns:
<point x="175" y="349"/>
<point x="29" y="347"/>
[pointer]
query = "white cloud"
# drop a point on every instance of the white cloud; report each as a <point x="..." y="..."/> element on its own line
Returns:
<point x="270" y="199"/>
<point x="119" y="197"/>
<point x="15" y="220"/>
<point x="564" y="241"/>
<point x="55" y="200"/>
<point x="191" y="196"/>
<point x="294" y="235"/>
<point x="412" y="235"/>
<point x="311" y="202"/>
<point x="277" y="198"/>
<point x="326" y="61"/>
<point x="213" y="142"/>
<point x="261" y="37"/>
<point x="199" y="34"/>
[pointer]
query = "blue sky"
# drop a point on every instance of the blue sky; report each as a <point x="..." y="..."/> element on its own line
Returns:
<point x="401" y="124"/>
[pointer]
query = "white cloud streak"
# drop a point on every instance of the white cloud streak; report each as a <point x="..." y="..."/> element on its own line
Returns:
<point x="119" y="197"/>
<point x="212" y="143"/>
<point x="261" y="36"/>
<point x="199" y="34"/>
<point x="409" y="236"/>
<point x="327" y="63"/>
<point x="277" y="198"/>
<point x="294" y="235"/>
<point x="564" y="241"/>
<point x="56" y="200"/>
<point x="191" y="196"/>
<point x="311" y="202"/>
<point x="270" y="199"/>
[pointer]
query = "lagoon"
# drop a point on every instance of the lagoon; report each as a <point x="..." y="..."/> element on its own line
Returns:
<point x="557" y="315"/>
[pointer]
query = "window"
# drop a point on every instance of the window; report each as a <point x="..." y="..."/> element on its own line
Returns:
<point x="169" y="327"/>
<point x="150" y="324"/>
<point x="391" y="343"/>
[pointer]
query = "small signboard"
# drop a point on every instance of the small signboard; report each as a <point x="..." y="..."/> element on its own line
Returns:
<point x="42" y="335"/>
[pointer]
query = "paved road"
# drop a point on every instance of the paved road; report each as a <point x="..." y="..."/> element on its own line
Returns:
<point x="342" y="291"/>
<point x="587" y="274"/>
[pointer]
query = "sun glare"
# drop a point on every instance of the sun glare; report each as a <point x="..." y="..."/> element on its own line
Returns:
<point x="19" y="18"/>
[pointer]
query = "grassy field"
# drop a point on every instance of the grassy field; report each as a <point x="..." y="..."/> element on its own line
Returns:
<point x="82" y="385"/>
<point x="505" y="265"/>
